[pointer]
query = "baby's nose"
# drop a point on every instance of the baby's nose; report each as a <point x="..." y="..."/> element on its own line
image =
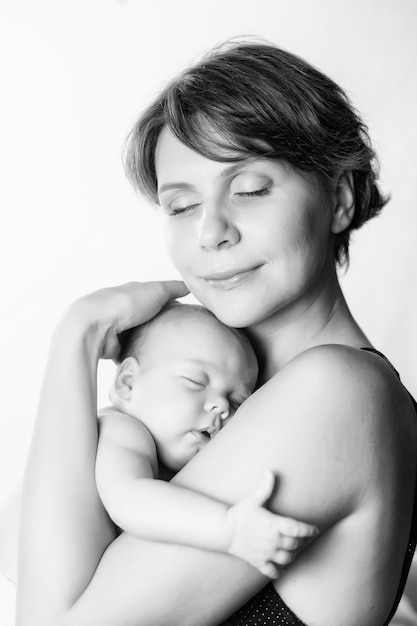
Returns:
<point x="218" y="408"/>
<point x="216" y="423"/>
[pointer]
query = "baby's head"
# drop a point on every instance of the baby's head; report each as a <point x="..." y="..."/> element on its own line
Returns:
<point x="183" y="374"/>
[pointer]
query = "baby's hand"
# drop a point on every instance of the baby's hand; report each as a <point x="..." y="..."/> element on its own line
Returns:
<point x="267" y="541"/>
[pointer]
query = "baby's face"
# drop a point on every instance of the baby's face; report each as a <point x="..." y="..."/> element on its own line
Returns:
<point x="193" y="375"/>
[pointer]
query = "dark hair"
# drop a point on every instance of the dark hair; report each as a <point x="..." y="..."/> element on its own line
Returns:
<point x="255" y="99"/>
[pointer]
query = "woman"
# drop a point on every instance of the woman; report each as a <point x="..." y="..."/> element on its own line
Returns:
<point x="262" y="170"/>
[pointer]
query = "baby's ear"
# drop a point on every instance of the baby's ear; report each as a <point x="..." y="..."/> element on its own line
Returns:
<point x="126" y="375"/>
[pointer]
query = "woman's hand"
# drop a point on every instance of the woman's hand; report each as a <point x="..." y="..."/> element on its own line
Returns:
<point x="108" y="312"/>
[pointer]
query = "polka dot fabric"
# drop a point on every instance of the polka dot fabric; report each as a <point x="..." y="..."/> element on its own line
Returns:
<point x="265" y="609"/>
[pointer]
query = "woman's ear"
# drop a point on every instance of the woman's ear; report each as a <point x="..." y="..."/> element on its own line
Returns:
<point x="344" y="207"/>
<point x="126" y="376"/>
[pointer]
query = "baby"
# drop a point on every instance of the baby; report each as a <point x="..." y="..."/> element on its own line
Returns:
<point x="181" y="377"/>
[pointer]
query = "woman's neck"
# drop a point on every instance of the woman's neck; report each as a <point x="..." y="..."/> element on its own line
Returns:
<point x="320" y="317"/>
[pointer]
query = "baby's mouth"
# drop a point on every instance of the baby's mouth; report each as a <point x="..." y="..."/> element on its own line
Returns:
<point x="203" y="436"/>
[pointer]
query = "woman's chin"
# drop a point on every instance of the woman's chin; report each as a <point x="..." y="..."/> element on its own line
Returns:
<point x="231" y="308"/>
<point x="234" y="317"/>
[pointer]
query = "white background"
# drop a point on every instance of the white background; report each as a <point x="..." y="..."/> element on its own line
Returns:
<point x="74" y="74"/>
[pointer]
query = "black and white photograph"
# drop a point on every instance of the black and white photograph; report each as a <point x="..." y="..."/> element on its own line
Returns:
<point x="208" y="326"/>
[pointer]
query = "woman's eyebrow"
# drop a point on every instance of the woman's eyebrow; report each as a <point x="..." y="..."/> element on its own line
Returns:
<point x="236" y="167"/>
<point x="170" y="186"/>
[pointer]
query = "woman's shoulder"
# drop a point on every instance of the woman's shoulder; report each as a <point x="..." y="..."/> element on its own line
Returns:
<point x="346" y="360"/>
<point x="335" y="416"/>
<point x="336" y="400"/>
<point x="342" y="374"/>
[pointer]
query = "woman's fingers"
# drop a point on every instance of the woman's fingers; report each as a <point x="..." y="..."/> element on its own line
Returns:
<point x="108" y="312"/>
<point x="136" y="303"/>
<point x="176" y="289"/>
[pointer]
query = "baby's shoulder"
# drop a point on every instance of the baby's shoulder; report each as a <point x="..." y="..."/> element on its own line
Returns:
<point x="123" y="429"/>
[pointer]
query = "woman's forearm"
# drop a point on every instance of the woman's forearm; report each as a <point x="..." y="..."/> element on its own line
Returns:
<point x="58" y="550"/>
<point x="64" y="527"/>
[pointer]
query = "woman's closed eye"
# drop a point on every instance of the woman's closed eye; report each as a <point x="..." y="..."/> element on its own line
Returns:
<point x="179" y="203"/>
<point x="250" y="185"/>
<point x="256" y="192"/>
<point x="172" y="211"/>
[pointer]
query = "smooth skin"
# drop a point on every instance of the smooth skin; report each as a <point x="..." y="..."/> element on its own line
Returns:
<point x="182" y="386"/>
<point x="332" y="422"/>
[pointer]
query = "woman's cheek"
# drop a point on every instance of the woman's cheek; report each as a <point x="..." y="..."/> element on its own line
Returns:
<point x="178" y="243"/>
<point x="172" y="241"/>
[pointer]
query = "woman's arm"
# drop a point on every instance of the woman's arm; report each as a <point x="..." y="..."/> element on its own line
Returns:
<point x="64" y="579"/>
<point x="59" y="494"/>
<point x="159" y="511"/>
<point x="322" y="450"/>
<point x="64" y="528"/>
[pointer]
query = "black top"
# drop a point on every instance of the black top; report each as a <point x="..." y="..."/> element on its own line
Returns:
<point x="413" y="530"/>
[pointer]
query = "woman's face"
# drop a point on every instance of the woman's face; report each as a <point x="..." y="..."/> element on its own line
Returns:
<point x="250" y="239"/>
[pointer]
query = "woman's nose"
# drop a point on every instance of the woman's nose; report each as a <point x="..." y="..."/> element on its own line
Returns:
<point x="217" y="231"/>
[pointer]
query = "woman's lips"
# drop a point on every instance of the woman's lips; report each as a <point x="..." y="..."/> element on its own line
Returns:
<point x="231" y="279"/>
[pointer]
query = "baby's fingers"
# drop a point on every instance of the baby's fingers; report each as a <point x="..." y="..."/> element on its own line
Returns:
<point x="283" y="557"/>
<point x="264" y="489"/>
<point x="269" y="569"/>
<point x="295" y="528"/>
<point x="289" y="543"/>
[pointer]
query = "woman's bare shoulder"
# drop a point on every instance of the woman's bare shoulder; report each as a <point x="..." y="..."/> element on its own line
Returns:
<point x="335" y="374"/>
<point x="322" y="424"/>
<point x="353" y="397"/>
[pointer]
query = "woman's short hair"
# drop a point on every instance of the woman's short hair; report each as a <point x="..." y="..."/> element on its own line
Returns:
<point x="245" y="99"/>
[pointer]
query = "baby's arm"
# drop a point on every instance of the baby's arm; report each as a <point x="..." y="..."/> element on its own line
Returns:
<point x="153" y="509"/>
